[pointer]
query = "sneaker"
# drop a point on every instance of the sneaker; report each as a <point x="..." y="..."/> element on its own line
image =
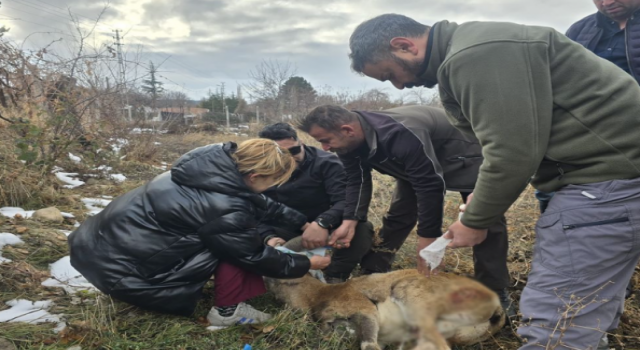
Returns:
<point x="244" y="314"/>
<point x="604" y="343"/>
<point x="507" y="304"/>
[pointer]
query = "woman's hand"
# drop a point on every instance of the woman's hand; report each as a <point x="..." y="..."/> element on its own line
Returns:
<point x="275" y="241"/>
<point x="319" y="262"/>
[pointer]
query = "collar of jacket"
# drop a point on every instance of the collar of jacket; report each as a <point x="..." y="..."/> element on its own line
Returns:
<point x="442" y="34"/>
<point x="370" y="136"/>
<point x="309" y="155"/>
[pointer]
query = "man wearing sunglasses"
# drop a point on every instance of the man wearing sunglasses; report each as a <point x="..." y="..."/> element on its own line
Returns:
<point x="316" y="189"/>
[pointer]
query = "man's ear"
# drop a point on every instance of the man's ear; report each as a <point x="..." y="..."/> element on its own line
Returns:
<point x="348" y="130"/>
<point x="402" y="44"/>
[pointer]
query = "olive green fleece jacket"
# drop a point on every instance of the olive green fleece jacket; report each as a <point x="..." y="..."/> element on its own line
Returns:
<point x="540" y="104"/>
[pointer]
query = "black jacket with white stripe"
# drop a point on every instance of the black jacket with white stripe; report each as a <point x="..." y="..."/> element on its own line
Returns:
<point x="414" y="144"/>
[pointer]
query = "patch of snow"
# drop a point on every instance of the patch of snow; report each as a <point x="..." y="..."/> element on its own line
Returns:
<point x="63" y="275"/>
<point x="66" y="233"/>
<point x="23" y="161"/>
<point x="163" y="163"/>
<point x="157" y="143"/>
<point x="31" y="312"/>
<point x="104" y="168"/>
<point x="12" y="211"/>
<point x="108" y="197"/>
<point x="117" y="145"/>
<point x="67" y="215"/>
<point x="56" y="169"/>
<point x="69" y="179"/>
<point x="117" y="177"/>
<point x="95" y="205"/>
<point x="77" y="224"/>
<point x="138" y="131"/>
<point x="215" y="328"/>
<point x="8" y="239"/>
<point x="75" y="158"/>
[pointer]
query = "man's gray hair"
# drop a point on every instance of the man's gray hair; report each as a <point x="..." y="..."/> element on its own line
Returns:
<point x="370" y="42"/>
<point x="328" y="117"/>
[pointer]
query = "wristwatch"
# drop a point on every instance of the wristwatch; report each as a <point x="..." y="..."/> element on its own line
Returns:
<point x="323" y="223"/>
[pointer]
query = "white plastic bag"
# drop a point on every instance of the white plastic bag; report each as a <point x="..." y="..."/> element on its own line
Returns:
<point x="434" y="252"/>
<point x="322" y="251"/>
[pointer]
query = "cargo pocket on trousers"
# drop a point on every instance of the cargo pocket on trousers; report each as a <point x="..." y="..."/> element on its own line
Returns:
<point x="600" y="238"/>
<point x="552" y="245"/>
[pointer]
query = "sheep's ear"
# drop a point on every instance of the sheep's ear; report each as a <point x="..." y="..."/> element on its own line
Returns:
<point x="295" y="244"/>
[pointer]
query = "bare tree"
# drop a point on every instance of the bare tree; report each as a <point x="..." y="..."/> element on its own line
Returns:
<point x="267" y="80"/>
<point x="421" y="96"/>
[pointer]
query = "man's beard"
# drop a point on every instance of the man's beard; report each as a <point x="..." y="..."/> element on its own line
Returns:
<point x="412" y="67"/>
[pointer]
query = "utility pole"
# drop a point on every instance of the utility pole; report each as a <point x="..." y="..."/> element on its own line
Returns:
<point x="226" y="110"/>
<point x="212" y="101"/>
<point x="224" y="105"/>
<point x="257" y="114"/>
<point x="125" y="99"/>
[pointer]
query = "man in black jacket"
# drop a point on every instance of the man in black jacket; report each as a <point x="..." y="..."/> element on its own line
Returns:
<point x="612" y="33"/>
<point x="316" y="189"/>
<point x="427" y="156"/>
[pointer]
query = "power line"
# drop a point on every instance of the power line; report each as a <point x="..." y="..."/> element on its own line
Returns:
<point x="67" y="12"/>
<point x="95" y="23"/>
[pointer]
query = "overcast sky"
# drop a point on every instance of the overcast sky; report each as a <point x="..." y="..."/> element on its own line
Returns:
<point x="208" y="42"/>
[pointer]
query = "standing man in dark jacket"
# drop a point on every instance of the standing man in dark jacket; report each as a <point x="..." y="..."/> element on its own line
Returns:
<point x="156" y="246"/>
<point x="427" y="156"/>
<point x="612" y="33"/>
<point x="549" y="113"/>
<point x="316" y="189"/>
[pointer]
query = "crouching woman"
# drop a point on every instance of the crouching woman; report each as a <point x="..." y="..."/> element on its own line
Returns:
<point x="156" y="246"/>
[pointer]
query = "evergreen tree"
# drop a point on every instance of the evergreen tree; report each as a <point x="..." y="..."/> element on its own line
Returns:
<point x="152" y="86"/>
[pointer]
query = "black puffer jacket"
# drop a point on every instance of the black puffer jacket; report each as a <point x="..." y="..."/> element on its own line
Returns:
<point x="156" y="246"/>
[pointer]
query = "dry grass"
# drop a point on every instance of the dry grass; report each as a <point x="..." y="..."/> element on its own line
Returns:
<point x="97" y="322"/>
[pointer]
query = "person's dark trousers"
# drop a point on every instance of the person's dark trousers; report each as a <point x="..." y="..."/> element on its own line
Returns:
<point x="490" y="257"/>
<point x="343" y="261"/>
<point x="543" y="198"/>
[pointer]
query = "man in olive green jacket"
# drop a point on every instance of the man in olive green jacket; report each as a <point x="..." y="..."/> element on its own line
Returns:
<point x="542" y="106"/>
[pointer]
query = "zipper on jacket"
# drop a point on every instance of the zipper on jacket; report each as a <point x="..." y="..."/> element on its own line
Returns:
<point x="626" y="47"/>
<point x="464" y="157"/>
<point x="596" y="223"/>
<point x="355" y="214"/>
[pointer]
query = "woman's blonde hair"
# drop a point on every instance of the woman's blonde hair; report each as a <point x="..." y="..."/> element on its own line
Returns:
<point x="264" y="157"/>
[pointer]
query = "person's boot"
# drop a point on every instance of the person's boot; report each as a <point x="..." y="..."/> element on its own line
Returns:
<point x="629" y="290"/>
<point x="508" y="305"/>
<point x="334" y="280"/>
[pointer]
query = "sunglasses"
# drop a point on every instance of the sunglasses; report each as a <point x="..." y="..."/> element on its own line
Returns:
<point x="295" y="150"/>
